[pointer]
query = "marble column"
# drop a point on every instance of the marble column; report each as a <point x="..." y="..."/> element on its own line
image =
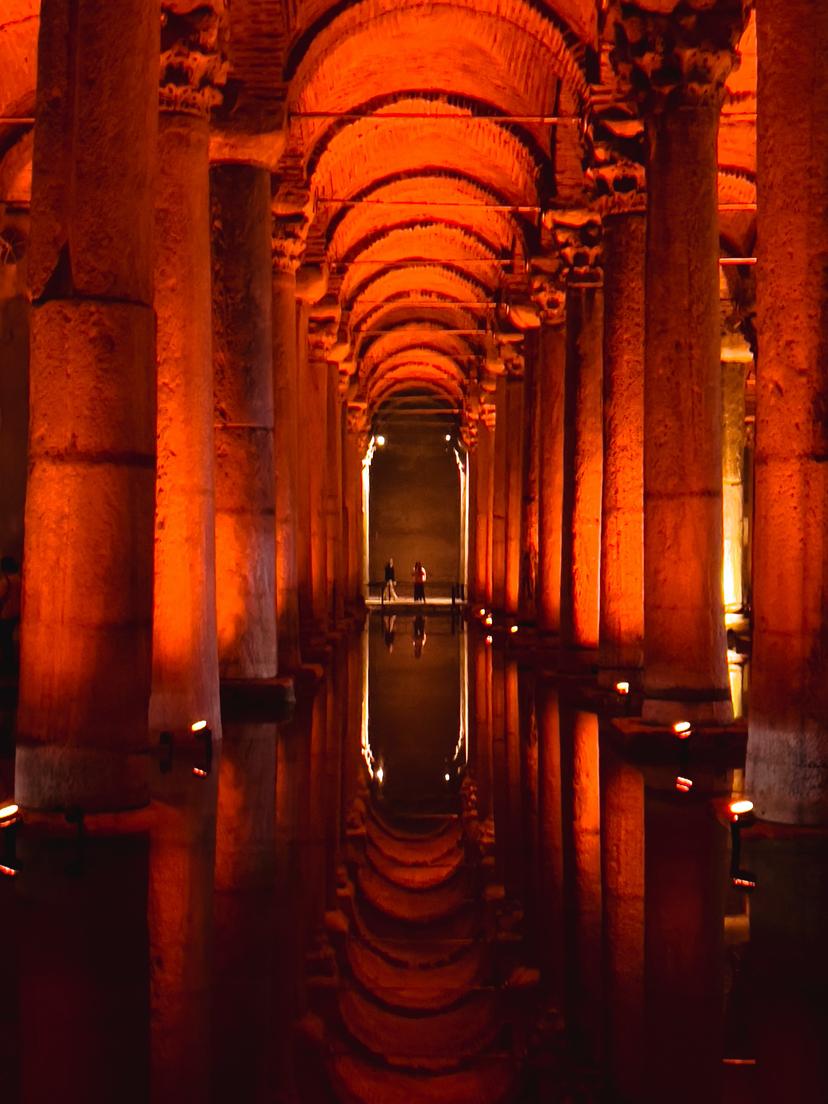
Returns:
<point x="314" y="460"/>
<point x="15" y="315"/>
<point x="87" y="588"/>
<point x="500" y="497"/>
<point x="787" y="764"/>
<point x="185" y="657"/>
<point x="529" y="505"/>
<point x="514" y="487"/>
<point x="551" y="366"/>
<point x="621" y="616"/>
<point x="685" y="667"/>
<point x="484" y="460"/>
<point x="333" y="497"/>
<point x="734" y="366"/>
<point x="243" y="395"/>
<point x="579" y="238"/>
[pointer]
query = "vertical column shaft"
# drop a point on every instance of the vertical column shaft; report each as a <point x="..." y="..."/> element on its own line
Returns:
<point x="316" y="455"/>
<point x="87" y="587"/>
<point x="513" y="445"/>
<point x="500" y="496"/>
<point x="621" y="619"/>
<point x="551" y="370"/>
<point x="243" y="392"/>
<point x="733" y="465"/>
<point x="529" y="506"/>
<point x="333" y="495"/>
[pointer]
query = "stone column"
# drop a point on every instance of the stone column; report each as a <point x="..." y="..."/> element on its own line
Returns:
<point x="15" y="313"/>
<point x="529" y="507"/>
<point x="353" y="495"/>
<point x="678" y="67"/>
<point x="87" y="587"/>
<point x="482" y="464"/>
<point x="315" y="458"/>
<point x="550" y="376"/>
<point x="513" y="446"/>
<point x="499" y="498"/>
<point x="243" y="393"/>
<point x="185" y="656"/>
<point x="621" y="616"/>
<point x="288" y="245"/>
<point x="787" y="764"/>
<point x="578" y="234"/>
<point x="333" y="496"/>
<point x="734" y="366"/>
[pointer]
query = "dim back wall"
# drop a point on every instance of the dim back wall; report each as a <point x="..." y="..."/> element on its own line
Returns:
<point x="415" y="507"/>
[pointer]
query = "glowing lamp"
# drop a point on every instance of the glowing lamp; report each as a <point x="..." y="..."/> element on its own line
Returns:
<point x="737" y="808"/>
<point x="447" y="777"/>
<point x="743" y="880"/>
<point x="513" y="628"/>
<point x="682" y="729"/>
<point x="488" y="620"/>
<point x="448" y="436"/>
<point x="481" y="613"/>
<point x="684" y="785"/>
<point x="198" y="726"/>
<point x="380" y="775"/>
<point x="380" y="440"/>
<point x="488" y="640"/>
<point x="8" y="815"/>
<point x="622" y="688"/>
<point x="199" y="772"/>
<point x="8" y="871"/>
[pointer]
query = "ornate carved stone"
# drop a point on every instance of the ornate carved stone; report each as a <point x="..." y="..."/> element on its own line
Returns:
<point x="193" y="56"/>
<point x="682" y="57"/>
<point x="288" y="237"/>
<point x="577" y="235"/>
<point x="322" y="334"/>
<point x="549" y="296"/>
<point x="618" y="184"/>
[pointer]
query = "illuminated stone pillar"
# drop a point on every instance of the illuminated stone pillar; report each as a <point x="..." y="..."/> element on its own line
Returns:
<point x="529" y="506"/>
<point x="515" y="844"/>
<point x="621" y="616"/>
<point x="353" y="494"/>
<point x="87" y="588"/>
<point x="551" y="366"/>
<point x="485" y="492"/>
<point x="685" y="667"/>
<point x="243" y="393"/>
<point x="185" y="657"/>
<point x="315" y="458"/>
<point x="15" y="322"/>
<point x="500" y="497"/>
<point x="734" y="366"/>
<point x="579" y="239"/>
<point x="333" y="498"/>
<point x="513" y="445"/>
<point x="787" y="764"/>
<point x="622" y="900"/>
<point x="288" y="243"/>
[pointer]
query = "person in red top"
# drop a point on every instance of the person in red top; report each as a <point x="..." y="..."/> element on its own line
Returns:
<point x="419" y="576"/>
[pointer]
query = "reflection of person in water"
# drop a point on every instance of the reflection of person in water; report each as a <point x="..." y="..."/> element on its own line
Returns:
<point x="389" y="625"/>
<point x="418" y="635"/>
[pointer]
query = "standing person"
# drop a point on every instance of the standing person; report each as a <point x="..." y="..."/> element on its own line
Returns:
<point x="419" y="576"/>
<point x="389" y="591"/>
<point x="9" y="610"/>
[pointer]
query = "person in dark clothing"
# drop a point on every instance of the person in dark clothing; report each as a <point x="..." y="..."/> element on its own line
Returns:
<point x="389" y="590"/>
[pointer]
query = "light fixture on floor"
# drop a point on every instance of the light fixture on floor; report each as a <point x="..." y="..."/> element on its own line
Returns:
<point x="204" y="764"/>
<point x="741" y="816"/>
<point x="513" y="629"/>
<point x="682" y="729"/>
<point x="622" y="688"/>
<point x="380" y="439"/>
<point x="683" y="784"/>
<point x="9" y="817"/>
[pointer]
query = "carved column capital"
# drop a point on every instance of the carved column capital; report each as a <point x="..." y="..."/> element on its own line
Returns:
<point x="546" y="287"/>
<point x="193" y="56"/>
<point x="321" y="338"/>
<point x="618" y="184"/>
<point x="577" y="235"/>
<point x="288" y="238"/>
<point x="679" y="58"/>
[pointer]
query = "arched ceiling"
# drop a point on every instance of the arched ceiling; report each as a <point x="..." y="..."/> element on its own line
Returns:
<point x="428" y="136"/>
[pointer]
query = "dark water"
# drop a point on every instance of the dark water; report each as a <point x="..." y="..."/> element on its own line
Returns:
<point x="552" y="921"/>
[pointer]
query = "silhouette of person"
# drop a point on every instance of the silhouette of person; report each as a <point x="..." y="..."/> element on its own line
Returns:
<point x="419" y="576"/>
<point x="389" y="590"/>
<point x="389" y="625"/>
<point x="418" y="635"/>
<point x="9" y="610"/>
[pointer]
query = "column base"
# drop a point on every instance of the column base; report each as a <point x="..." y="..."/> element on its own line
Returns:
<point x="270" y="699"/>
<point x="711" y="707"/>
<point x="610" y="676"/>
<point x="57" y="777"/>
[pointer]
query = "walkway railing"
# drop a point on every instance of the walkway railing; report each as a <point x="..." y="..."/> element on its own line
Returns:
<point x="440" y="590"/>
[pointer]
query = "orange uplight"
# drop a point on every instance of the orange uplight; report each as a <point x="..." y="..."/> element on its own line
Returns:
<point x="684" y="785"/>
<point x="488" y="620"/>
<point x="622" y="687"/>
<point x="8" y="813"/>
<point x="380" y="775"/>
<point x="198" y="726"/>
<point x="488" y="640"/>
<point x="199" y="773"/>
<point x="741" y="807"/>
<point x="513" y="628"/>
<point x="682" y="729"/>
<point x="9" y="871"/>
<point x="741" y="881"/>
<point x="447" y="777"/>
<point x="481" y="613"/>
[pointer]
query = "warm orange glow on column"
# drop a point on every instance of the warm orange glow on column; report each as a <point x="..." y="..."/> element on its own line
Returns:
<point x="315" y="433"/>
<point x="500" y="497"/>
<point x="733" y="450"/>
<point x="243" y="389"/>
<point x="481" y="460"/>
<point x="551" y="367"/>
<point x="185" y="658"/>
<point x="514" y="492"/>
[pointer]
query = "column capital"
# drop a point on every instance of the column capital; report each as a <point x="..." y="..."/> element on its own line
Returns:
<point x="548" y="293"/>
<point x="678" y="58"/>
<point x="577" y="234"/>
<point x="618" y="183"/>
<point x="291" y="209"/>
<point x="193" y="64"/>
<point x="322" y="334"/>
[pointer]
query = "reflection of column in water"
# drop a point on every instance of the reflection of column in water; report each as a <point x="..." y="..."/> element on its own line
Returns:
<point x="500" y="790"/>
<point x="353" y="766"/>
<point x="336" y="719"/>
<point x="514" y="838"/>
<point x="244" y="887"/>
<point x="529" y="811"/>
<point x="622" y="866"/>
<point x="83" y="952"/>
<point x="482" y="738"/>
<point x="182" y="854"/>
<point x="313" y="826"/>
<point x="686" y="876"/>
<point x="788" y="915"/>
<point x="582" y="857"/>
<point x="550" y="845"/>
